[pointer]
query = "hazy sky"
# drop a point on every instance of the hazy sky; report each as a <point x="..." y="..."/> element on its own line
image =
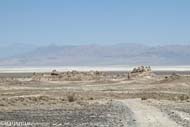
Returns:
<point x="94" y="21"/>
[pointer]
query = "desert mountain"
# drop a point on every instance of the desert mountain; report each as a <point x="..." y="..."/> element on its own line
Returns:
<point x="118" y="54"/>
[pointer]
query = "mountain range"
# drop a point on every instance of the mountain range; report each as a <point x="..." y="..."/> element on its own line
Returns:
<point x="95" y="55"/>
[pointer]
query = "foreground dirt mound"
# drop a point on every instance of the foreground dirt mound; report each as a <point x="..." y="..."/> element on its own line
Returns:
<point x="78" y="76"/>
<point x="141" y="71"/>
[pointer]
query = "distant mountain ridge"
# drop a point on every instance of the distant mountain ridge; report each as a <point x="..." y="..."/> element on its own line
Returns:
<point x="118" y="54"/>
<point x="11" y="50"/>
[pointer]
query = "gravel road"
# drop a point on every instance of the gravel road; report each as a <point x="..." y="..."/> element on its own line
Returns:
<point x="144" y="115"/>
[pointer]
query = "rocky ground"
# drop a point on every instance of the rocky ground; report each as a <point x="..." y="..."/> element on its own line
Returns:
<point x="122" y="99"/>
<point x="83" y="115"/>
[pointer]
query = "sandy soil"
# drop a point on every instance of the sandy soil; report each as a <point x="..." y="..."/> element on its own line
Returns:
<point x="149" y="101"/>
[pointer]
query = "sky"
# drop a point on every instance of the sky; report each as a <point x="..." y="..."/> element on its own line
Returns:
<point x="75" y="22"/>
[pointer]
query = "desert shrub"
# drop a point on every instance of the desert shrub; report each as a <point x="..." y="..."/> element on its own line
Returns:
<point x="143" y="98"/>
<point x="91" y="98"/>
<point x="183" y="97"/>
<point x="71" y="98"/>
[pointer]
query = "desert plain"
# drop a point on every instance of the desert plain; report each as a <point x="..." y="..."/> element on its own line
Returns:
<point x="95" y="99"/>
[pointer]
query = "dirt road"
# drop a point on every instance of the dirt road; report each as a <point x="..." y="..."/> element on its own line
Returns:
<point x="143" y="115"/>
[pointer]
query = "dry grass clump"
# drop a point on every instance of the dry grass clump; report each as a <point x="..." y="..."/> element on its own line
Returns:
<point x="144" y="98"/>
<point x="91" y="98"/>
<point x="71" y="97"/>
<point x="183" y="97"/>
